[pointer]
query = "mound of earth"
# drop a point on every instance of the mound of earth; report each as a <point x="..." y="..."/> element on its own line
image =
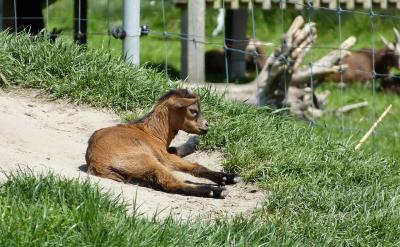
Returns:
<point x="52" y="136"/>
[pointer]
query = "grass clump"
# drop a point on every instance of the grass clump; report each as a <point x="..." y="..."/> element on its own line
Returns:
<point x="67" y="70"/>
<point x="322" y="193"/>
<point x="44" y="210"/>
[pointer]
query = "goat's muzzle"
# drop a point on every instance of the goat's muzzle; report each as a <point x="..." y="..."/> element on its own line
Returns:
<point x="204" y="130"/>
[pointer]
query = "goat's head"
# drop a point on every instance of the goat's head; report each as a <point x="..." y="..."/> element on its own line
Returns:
<point x="184" y="111"/>
<point x="394" y="47"/>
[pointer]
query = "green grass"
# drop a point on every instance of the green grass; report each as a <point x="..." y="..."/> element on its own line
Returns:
<point x="322" y="192"/>
<point x="38" y="210"/>
<point x="350" y="127"/>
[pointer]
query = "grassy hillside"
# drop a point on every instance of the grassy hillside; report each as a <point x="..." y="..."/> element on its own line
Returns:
<point x="48" y="211"/>
<point x="322" y="192"/>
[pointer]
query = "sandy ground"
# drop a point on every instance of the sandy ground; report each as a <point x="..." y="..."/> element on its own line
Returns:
<point x="52" y="135"/>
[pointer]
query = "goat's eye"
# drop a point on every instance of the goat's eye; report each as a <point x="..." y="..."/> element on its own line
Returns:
<point x="194" y="113"/>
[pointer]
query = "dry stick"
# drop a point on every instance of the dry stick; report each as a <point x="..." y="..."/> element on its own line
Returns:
<point x="351" y="107"/>
<point x="373" y="127"/>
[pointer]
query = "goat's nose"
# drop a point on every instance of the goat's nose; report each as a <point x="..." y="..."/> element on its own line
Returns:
<point x="206" y="124"/>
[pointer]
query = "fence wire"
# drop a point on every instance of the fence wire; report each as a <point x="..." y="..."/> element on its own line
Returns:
<point x="168" y="36"/>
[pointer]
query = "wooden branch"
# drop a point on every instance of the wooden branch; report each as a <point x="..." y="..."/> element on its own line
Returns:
<point x="324" y="66"/>
<point x="295" y="26"/>
<point x="306" y="104"/>
<point x="351" y="107"/>
<point x="303" y="77"/>
<point x="238" y="92"/>
<point x="255" y="43"/>
<point x="276" y="75"/>
<point x="365" y="137"/>
<point x="281" y="82"/>
<point x="333" y="57"/>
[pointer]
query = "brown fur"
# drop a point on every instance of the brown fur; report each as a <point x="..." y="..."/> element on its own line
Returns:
<point x="391" y="84"/>
<point x="360" y="65"/>
<point x="215" y="59"/>
<point x="139" y="150"/>
<point x="253" y="62"/>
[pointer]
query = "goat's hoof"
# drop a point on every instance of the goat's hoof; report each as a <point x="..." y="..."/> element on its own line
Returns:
<point x="218" y="192"/>
<point x="231" y="178"/>
<point x="172" y="150"/>
<point x="212" y="191"/>
<point x="237" y="179"/>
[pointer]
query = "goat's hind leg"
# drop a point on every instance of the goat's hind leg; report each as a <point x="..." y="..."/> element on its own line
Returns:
<point x="107" y="173"/>
<point x="164" y="178"/>
<point x="197" y="170"/>
<point x="221" y="178"/>
<point x="148" y="169"/>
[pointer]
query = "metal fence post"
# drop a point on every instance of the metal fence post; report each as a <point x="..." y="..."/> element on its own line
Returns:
<point x="132" y="29"/>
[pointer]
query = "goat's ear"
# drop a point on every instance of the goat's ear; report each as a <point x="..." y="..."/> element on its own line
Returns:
<point x="387" y="43"/>
<point x="182" y="102"/>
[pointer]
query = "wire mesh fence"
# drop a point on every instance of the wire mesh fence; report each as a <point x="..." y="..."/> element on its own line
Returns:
<point x="161" y="46"/>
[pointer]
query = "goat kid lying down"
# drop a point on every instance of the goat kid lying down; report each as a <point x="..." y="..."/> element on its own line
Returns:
<point x="140" y="150"/>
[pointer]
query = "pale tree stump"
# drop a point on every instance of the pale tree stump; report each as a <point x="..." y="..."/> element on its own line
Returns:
<point x="283" y="82"/>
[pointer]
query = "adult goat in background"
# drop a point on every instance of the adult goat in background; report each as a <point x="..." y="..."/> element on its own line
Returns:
<point x="215" y="58"/>
<point x="139" y="150"/>
<point x="362" y="63"/>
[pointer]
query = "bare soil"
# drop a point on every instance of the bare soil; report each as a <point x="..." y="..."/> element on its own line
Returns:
<point x="45" y="135"/>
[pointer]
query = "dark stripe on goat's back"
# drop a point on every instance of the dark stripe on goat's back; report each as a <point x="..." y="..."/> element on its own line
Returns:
<point x="142" y="119"/>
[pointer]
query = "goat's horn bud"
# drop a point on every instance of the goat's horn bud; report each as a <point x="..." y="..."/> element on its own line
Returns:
<point x="396" y="32"/>
<point x="387" y="43"/>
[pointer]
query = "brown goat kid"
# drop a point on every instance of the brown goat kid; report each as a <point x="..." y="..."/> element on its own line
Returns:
<point x="139" y="150"/>
<point x="360" y="64"/>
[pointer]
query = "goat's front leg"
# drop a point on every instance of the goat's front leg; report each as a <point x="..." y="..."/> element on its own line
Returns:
<point x="197" y="170"/>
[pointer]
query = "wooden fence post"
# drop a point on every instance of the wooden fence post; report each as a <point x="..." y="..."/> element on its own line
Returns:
<point x="192" y="44"/>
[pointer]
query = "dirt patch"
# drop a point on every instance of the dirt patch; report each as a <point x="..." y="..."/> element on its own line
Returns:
<point x="52" y="135"/>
